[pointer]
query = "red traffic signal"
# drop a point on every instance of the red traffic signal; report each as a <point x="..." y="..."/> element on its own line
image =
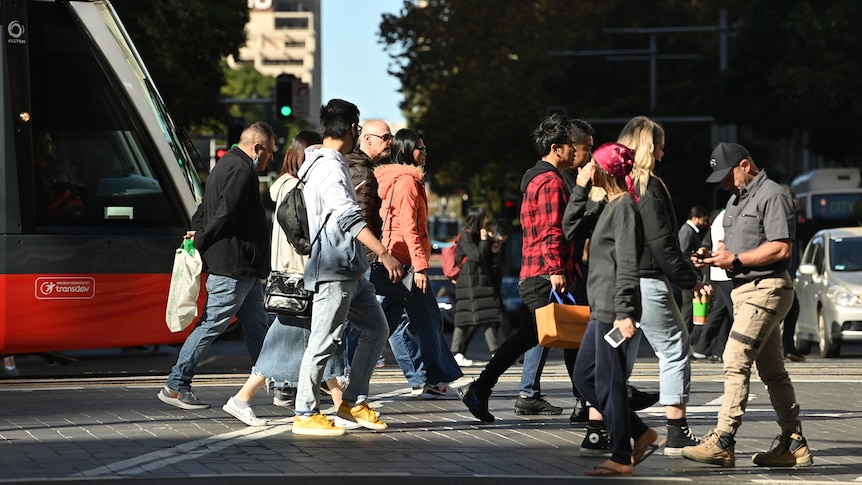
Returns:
<point x="220" y="153"/>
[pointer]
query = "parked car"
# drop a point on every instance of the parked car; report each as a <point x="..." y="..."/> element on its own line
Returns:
<point x="829" y="288"/>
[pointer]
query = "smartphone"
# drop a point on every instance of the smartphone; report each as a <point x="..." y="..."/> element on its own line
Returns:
<point x="615" y="337"/>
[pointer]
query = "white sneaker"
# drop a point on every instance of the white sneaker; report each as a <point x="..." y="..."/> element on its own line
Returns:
<point x="343" y="423"/>
<point x="440" y="391"/>
<point x="417" y="391"/>
<point x="246" y="415"/>
<point x="462" y="361"/>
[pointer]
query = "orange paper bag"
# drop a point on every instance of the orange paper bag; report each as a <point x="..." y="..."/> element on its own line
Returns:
<point x="562" y="325"/>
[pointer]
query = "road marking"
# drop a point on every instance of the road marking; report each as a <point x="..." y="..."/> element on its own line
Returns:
<point x="191" y="450"/>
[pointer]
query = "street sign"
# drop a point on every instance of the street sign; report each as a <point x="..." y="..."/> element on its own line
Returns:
<point x="301" y="100"/>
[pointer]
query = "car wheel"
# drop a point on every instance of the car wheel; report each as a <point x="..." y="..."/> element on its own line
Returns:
<point x="828" y="346"/>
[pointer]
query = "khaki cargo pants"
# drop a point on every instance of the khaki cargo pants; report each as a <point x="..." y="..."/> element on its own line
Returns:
<point x="759" y="306"/>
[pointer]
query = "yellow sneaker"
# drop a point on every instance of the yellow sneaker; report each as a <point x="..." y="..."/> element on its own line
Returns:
<point x="361" y="414"/>
<point x="316" y="425"/>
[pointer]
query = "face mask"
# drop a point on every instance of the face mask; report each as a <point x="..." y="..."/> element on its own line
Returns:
<point x="254" y="162"/>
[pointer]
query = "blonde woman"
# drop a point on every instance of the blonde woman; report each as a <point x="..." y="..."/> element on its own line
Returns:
<point x="662" y="262"/>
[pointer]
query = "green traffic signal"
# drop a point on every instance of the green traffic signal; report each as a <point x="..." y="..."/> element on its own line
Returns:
<point x="285" y="111"/>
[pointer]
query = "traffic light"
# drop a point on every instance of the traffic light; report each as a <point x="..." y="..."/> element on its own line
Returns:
<point x="221" y="152"/>
<point x="510" y="209"/>
<point x="284" y="96"/>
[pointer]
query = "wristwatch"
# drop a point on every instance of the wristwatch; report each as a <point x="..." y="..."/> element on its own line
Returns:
<point x="736" y="262"/>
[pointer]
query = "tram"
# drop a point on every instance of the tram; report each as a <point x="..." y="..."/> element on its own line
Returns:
<point x="98" y="184"/>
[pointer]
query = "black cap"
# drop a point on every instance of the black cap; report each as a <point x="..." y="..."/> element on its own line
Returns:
<point x="724" y="157"/>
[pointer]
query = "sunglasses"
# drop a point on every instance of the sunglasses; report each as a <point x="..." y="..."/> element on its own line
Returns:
<point x="385" y="137"/>
<point x="422" y="149"/>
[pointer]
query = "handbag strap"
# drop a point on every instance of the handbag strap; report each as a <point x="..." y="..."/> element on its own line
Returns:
<point x="555" y="295"/>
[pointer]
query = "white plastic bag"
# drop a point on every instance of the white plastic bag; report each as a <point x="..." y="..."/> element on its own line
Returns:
<point x="182" y="306"/>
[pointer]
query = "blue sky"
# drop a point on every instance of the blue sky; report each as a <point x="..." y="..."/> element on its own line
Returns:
<point x="354" y="63"/>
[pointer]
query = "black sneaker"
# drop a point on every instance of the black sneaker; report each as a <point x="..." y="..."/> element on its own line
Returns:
<point x="581" y="413"/>
<point x="535" y="406"/>
<point x="181" y="399"/>
<point x="640" y="400"/>
<point x="678" y="437"/>
<point x="476" y="400"/>
<point x="284" y="397"/>
<point x="596" y="443"/>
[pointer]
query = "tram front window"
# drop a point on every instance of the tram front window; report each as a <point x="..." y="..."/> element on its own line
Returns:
<point x="93" y="163"/>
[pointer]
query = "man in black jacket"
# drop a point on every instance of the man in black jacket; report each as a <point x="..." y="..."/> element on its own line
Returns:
<point x="231" y="231"/>
<point x="690" y="238"/>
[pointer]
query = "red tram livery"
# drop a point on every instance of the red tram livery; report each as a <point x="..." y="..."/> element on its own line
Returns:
<point x="98" y="185"/>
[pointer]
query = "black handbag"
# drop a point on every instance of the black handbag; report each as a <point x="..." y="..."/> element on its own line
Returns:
<point x="383" y="286"/>
<point x="285" y="294"/>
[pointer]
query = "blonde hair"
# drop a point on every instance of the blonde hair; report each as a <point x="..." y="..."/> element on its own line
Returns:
<point x="642" y="135"/>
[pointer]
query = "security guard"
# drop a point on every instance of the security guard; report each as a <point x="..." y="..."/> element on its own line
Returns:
<point x="759" y="230"/>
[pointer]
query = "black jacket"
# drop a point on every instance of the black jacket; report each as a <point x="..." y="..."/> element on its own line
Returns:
<point x="231" y="229"/>
<point x="661" y="254"/>
<point x="362" y="172"/>
<point x="477" y="292"/>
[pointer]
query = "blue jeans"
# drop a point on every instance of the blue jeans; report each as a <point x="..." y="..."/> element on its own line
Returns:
<point x="334" y="303"/>
<point x="600" y="377"/>
<point x="531" y="373"/>
<point x="664" y="328"/>
<point x="227" y="297"/>
<point x="281" y="355"/>
<point x="417" y="343"/>
<point x="408" y="355"/>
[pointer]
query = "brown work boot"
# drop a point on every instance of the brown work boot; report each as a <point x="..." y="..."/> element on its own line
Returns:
<point x="791" y="451"/>
<point x="710" y="450"/>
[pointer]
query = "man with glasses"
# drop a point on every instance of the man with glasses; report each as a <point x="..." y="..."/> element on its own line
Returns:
<point x="374" y="145"/>
<point x="335" y="272"/>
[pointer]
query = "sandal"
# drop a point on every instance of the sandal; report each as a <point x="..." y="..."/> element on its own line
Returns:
<point x="641" y="455"/>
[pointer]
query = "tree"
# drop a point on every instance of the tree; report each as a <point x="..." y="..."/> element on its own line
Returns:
<point x="793" y="74"/>
<point x="183" y="43"/>
<point x="478" y="76"/>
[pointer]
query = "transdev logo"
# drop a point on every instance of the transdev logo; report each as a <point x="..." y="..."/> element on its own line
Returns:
<point x="77" y="288"/>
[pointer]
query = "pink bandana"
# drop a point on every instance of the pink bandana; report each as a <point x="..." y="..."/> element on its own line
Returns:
<point x="617" y="160"/>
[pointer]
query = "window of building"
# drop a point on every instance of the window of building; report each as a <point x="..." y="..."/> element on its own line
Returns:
<point x="291" y="23"/>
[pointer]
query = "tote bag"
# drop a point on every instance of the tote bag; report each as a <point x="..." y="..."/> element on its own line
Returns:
<point x="182" y="307"/>
<point x="562" y="324"/>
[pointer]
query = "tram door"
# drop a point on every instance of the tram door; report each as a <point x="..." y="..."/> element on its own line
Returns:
<point x="99" y="186"/>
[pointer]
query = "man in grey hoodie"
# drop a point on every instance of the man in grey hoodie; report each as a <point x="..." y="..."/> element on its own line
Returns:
<point x="335" y="272"/>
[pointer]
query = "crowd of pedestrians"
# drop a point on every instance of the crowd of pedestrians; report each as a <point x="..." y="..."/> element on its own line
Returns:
<point x="598" y="225"/>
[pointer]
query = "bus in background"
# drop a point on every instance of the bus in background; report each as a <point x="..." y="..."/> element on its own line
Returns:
<point x="828" y="197"/>
<point x="98" y="184"/>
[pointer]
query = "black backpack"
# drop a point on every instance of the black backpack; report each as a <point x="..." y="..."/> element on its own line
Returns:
<point x="292" y="216"/>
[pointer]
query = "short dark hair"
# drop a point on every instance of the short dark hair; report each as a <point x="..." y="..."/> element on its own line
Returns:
<point x="336" y="118"/>
<point x="698" y="211"/>
<point x="582" y="130"/>
<point x="402" y="146"/>
<point x="500" y="227"/>
<point x="554" y="129"/>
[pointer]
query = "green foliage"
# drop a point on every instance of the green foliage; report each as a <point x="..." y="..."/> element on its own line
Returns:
<point x="794" y="72"/>
<point x="183" y="43"/>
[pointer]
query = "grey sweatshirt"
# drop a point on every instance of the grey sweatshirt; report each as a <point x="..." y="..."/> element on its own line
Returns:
<point x="613" y="282"/>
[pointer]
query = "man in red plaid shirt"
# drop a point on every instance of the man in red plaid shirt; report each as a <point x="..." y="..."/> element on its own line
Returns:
<point x="547" y="261"/>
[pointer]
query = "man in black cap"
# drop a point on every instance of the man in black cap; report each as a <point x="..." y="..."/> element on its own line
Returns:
<point x="759" y="232"/>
